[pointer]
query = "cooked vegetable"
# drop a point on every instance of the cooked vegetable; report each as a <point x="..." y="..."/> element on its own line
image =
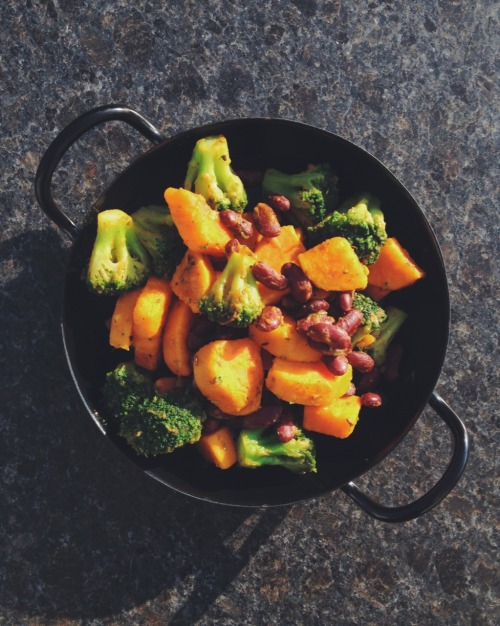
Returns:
<point x="199" y="226"/>
<point x="229" y="373"/>
<point x="165" y="384"/>
<point x="386" y="333"/>
<point x="337" y="419"/>
<point x="177" y="357"/>
<point x="234" y="298"/>
<point x="394" y="268"/>
<point x="209" y="173"/>
<point x="360" y="221"/>
<point x="260" y="447"/>
<point x="119" y="262"/>
<point x="373" y="316"/>
<point x="286" y="342"/>
<point x="157" y="232"/>
<point x="312" y="193"/>
<point x="376" y="293"/>
<point x="306" y="383"/>
<point x="149" y="316"/>
<point x="219" y="448"/>
<point x="333" y="265"/>
<point x="120" y="333"/>
<point x="193" y="278"/>
<point x="126" y="388"/>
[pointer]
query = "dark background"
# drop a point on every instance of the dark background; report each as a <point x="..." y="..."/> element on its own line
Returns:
<point x="85" y="538"/>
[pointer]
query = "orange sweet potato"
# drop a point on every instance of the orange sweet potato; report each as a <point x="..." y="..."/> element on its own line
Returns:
<point x="199" y="226"/>
<point x="120" y="333"/>
<point x="192" y="278"/>
<point x="229" y="373"/>
<point x="285" y="342"/>
<point x="334" y="266"/>
<point x="219" y="448"/>
<point x="306" y="383"/>
<point x="150" y="313"/>
<point x="394" y="269"/>
<point x="176" y="355"/>
<point x="337" y="419"/>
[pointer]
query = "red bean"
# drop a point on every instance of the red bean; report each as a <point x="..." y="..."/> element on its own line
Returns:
<point x="338" y="365"/>
<point x="351" y="321"/>
<point x="279" y="203"/>
<point x="266" y="221"/>
<point x="330" y="335"/>
<point x="262" y="418"/>
<point x="270" y="318"/>
<point x="345" y="300"/>
<point x="285" y="431"/>
<point x="361" y="361"/>
<point x="305" y="323"/>
<point x="369" y="381"/>
<point x="236" y="223"/>
<point x="300" y="285"/>
<point x="269" y="277"/>
<point x="233" y="245"/>
<point x="371" y="399"/>
<point x="313" y="306"/>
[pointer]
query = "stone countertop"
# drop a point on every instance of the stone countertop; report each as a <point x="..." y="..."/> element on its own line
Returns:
<point x="88" y="539"/>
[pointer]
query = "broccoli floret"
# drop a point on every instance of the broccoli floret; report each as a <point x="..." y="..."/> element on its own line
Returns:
<point x="312" y="193"/>
<point x="157" y="232"/>
<point x="258" y="447"/>
<point x="209" y="173"/>
<point x="360" y="221"/>
<point x="385" y="334"/>
<point x="234" y="298"/>
<point x="373" y="315"/>
<point x="150" y="424"/>
<point x="119" y="262"/>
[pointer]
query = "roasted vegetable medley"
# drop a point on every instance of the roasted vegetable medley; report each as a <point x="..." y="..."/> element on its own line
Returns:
<point x="248" y="330"/>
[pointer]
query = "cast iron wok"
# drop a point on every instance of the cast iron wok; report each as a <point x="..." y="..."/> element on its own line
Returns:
<point x="257" y="144"/>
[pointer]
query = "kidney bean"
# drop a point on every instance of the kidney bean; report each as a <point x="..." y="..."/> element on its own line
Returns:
<point x="262" y="418"/>
<point x="236" y="223"/>
<point x="266" y="221"/>
<point x="351" y="321"/>
<point x="392" y="362"/>
<point x="304" y="324"/>
<point x="233" y="245"/>
<point x="298" y="282"/>
<point x="368" y="381"/>
<point x="371" y="399"/>
<point x="336" y="364"/>
<point x="361" y="361"/>
<point x="313" y="306"/>
<point x="279" y="203"/>
<point x="285" y="431"/>
<point x="345" y="300"/>
<point x="330" y="335"/>
<point x="269" y="277"/>
<point x="270" y="318"/>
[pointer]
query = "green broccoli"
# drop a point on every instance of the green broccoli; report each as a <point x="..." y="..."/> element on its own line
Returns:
<point x="385" y="334"/>
<point x="156" y="231"/>
<point x="119" y="262"/>
<point x="234" y="298"/>
<point x="209" y="173"/>
<point x="258" y="447"/>
<point x="360" y="221"/>
<point x="373" y="315"/>
<point x="312" y="193"/>
<point x="151" y="424"/>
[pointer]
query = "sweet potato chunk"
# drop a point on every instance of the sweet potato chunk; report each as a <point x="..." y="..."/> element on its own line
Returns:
<point x="394" y="269"/>
<point x="229" y="373"/>
<point x="120" y="333"/>
<point x="192" y="278"/>
<point x="219" y="448"/>
<point x="337" y="419"/>
<point x="334" y="266"/>
<point x="176" y="355"/>
<point x="306" y="383"/>
<point x="199" y="225"/>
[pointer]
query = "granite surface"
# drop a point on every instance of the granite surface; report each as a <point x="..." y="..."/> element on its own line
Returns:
<point x="85" y="537"/>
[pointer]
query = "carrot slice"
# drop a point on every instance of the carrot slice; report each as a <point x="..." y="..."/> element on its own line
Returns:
<point x="176" y="355"/>
<point x="219" y="448"/>
<point x="337" y="419"/>
<point x="120" y="333"/>
<point x="394" y="269"/>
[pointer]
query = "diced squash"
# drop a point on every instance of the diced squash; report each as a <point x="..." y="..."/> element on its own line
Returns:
<point x="218" y="448"/>
<point x="334" y="266"/>
<point x="394" y="269"/>
<point x="192" y="278"/>
<point x="176" y="355"/>
<point x="149" y="316"/>
<point x="285" y="342"/>
<point x="229" y="373"/>
<point x="275" y="252"/>
<point x="199" y="225"/>
<point x="165" y="384"/>
<point x="376" y="293"/>
<point x="306" y="383"/>
<point x="337" y="419"/>
<point x="120" y="333"/>
<point x="365" y="341"/>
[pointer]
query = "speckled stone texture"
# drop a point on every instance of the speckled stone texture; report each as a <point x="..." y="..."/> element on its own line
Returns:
<point x="85" y="537"/>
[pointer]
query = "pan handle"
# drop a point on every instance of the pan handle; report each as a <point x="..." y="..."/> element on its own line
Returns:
<point x="66" y="138"/>
<point x="439" y="491"/>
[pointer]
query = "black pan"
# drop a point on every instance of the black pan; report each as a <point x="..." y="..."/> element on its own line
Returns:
<point x="259" y="143"/>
